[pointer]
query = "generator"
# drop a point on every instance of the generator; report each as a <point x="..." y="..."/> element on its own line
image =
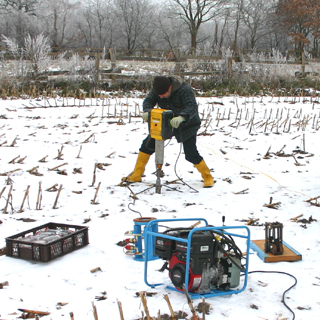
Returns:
<point x="215" y="260"/>
<point x="203" y="261"/>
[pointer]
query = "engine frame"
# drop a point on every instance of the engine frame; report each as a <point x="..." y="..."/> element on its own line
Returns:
<point x="234" y="231"/>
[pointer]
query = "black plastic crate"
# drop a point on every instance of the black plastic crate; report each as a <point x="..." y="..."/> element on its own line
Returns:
<point x="69" y="238"/>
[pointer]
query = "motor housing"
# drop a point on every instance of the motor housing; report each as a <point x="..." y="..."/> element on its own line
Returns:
<point x="215" y="261"/>
<point x="159" y="124"/>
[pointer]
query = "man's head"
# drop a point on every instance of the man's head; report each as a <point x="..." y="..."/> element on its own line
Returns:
<point x="161" y="85"/>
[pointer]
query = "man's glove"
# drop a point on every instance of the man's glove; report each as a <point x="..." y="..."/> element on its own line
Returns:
<point x="145" y="116"/>
<point x="175" y="122"/>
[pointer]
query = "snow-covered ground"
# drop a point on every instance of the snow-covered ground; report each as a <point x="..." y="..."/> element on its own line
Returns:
<point x="247" y="142"/>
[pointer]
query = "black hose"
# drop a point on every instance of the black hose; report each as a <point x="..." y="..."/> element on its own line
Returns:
<point x="283" y="295"/>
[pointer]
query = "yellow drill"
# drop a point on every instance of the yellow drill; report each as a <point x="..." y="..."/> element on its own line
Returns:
<point x="161" y="130"/>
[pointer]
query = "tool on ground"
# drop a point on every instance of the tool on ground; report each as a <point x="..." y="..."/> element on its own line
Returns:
<point x="161" y="130"/>
<point x="135" y="245"/>
<point x="273" y="240"/>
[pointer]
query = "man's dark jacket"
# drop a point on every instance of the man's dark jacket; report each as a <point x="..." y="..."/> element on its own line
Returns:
<point x="182" y="102"/>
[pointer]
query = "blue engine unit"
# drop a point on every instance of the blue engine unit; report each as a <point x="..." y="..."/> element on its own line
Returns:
<point x="210" y="254"/>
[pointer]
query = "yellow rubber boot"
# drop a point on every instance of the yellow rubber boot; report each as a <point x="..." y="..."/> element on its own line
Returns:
<point x="139" y="168"/>
<point x="205" y="173"/>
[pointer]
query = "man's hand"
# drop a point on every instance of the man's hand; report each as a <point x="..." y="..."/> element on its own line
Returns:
<point x="145" y="116"/>
<point x="175" y="122"/>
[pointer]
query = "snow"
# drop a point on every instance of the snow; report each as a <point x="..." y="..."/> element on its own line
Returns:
<point x="101" y="131"/>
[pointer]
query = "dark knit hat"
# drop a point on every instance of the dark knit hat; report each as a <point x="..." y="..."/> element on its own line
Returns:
<point x="161" y="84"/>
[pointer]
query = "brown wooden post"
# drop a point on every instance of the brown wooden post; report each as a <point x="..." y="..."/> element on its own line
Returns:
<point x="98" y="56"/>
<point x="113" y="58"/>
<point x="303" y="62"/>
<point x="177" y="55"/>
<point x="230" y="66"/>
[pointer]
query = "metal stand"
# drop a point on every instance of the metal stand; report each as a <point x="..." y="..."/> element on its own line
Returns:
<point x="273" y="238"/>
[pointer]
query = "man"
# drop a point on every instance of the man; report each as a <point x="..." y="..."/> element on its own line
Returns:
<point x="172" y="93"/>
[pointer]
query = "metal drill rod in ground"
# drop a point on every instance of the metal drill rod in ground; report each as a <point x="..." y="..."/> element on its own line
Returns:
<point x="159" y="157"/>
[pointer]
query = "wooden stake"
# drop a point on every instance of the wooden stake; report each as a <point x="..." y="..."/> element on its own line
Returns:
<point x="4" y="284"/>
<point x="267" y="155"/>
<point x="14" y="159"/>
<point x="43" y="159"/>
<point x="78" y="156"/>
<point x="144" y="302"/>
<point x="87" y="140"/>
<point x="21" y="160"/>
<point x="94" y="175"/>
<point x="57" y="197"/>
<point x="8" y="199"/>
<point x="39" y="198"/>
<point x="34" y="312"/>
<point x="58" y="166"/>
<point x="203" y="309"/>
<point x="58" y="157"/>
<point x="95" y="313"/>
<point x="134" y="196"/>
<point x="193" y="311"/>
<point x="34" y="171"/>
<point x="120" y="310"/>
<point x="13" y="142"/>
<point x="296" y="218"/>
<point x="173" y="316"/>
<point x="95" y="196"/>
<point x="9" y="172"/>
<point x="242" y="191"/>
<point x="2" y="191"/>
<point x="53" y="188"/>
<point x="24" y="199"/>
<point x="312" y="199"/>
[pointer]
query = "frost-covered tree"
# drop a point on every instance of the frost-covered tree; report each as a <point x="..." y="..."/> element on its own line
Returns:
<point x="194" y="13"/>
<point x="35" y="49"/>
<point x="256" y="16"/>
<point x="170" y="32"/>
<point x="96" y="23"/>
<point x="18" y="18"/>
<point x="133" y="17"/>
<point x="27" y="6"/>
<point x="58" y="19"/>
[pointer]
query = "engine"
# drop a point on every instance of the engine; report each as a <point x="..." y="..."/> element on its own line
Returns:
<point x="215" y="260"/>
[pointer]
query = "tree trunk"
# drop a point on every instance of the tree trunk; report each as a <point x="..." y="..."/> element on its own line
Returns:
<point x="193" y="42"/>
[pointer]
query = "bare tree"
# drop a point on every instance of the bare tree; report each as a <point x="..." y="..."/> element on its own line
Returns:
<point x="237" y="13"/>
<point x="28" y="6"/>
<point x="98" y="29"/>
<point x="18" y="18"/>
<point x="133" y="18"/>
<point x="220" y="30"/>
<point x="171" y="32"/>
<point x="256" y="15"/>
<point x="196" y="12"/>
<point x="58" y="18"/>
